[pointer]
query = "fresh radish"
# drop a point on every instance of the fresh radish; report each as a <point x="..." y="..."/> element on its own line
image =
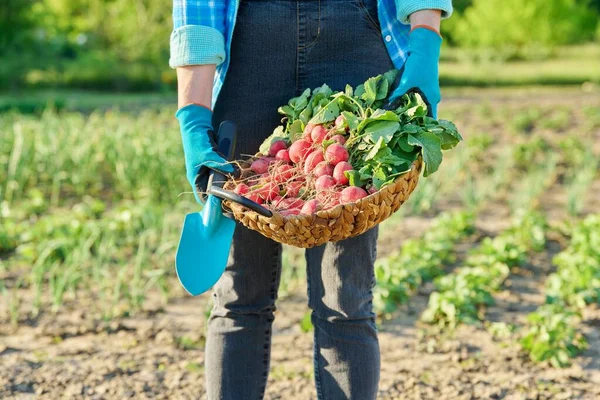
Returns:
<point x="289" y="202"/>
<point x="276" y="147"/>
<point x="308" y="129"/>
<point x="299" y="149"/>
<point x="324" y="182"/>
<point x="260" y="166"/>
<point x="268" y="192"/>
<point x="372" y="190"/>
<point x="241" y="189"/>
<point x="255" y="198"/>
<point x="310" y="207"/>
<point x="338" y="172"/>
<point x="276" y="200"/>
<point x="323" y="168"/>
<point x="312" y="160"/>
<point x="352" y="194"/>
<point x="318" y="134"/>
<point x="336" y="153"/>
<point x="334" y="199"/>
<point x="283" y="173"/>
<point x="263" y="179"/>
<point x="328" y="198"/>
<point x="292" y="212"/>
<point x="283" y="155"/>
<point x="340" y="122"/>
<point x="293" y="188"/>
<point x="339" y="139"/>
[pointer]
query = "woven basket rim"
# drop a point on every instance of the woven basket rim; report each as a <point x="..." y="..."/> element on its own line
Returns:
<point x="331" y="212"/>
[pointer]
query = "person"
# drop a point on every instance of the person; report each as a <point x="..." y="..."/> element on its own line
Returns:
<point x="241" y="60"/>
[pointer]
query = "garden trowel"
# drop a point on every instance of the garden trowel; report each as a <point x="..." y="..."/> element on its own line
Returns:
<point x="206" y="236"/>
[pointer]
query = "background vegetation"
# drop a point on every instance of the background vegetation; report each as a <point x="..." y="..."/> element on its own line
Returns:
<point x="123" y="45"/>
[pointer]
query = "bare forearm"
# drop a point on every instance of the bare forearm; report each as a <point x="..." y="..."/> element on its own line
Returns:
<point x="429" y="18"/>
<point x="195" y="85"/>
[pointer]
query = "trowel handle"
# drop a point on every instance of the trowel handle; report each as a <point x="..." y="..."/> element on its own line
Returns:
<point x="236" y="198"/>
<point x="226" y="141"/>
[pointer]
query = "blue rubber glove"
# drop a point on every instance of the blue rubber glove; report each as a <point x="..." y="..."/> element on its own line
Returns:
<point x="421" y="69"/>
<point x="199" y="147"/>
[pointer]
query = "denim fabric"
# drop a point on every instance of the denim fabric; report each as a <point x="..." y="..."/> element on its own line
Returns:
<point x="280" y="48"/>
<point x="196" y="23"/>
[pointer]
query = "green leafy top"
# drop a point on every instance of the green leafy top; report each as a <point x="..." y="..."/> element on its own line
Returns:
<point x="383" y="144"/>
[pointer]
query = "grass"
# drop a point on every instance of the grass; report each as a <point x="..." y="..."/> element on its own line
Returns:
<point x="520" y="73"/>
<point x="36" y="101"/>
<point x="573" y="65"/>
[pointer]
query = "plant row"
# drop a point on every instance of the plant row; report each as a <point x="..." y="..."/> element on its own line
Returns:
<point x="419" y="260"/>
<point x="552" y="334"/>
<point x="117" y="255"/>
<point x="462" y="296"/>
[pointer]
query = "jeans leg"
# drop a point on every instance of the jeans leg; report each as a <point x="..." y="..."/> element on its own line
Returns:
<point x="260" y="79"/>
<point x="238" y="341"/>
<point x="340" y="284"/>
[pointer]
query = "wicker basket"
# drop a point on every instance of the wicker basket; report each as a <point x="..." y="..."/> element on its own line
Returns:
<point x="340" y="222"/>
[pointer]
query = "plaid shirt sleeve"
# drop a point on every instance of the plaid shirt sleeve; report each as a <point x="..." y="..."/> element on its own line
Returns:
<point x="407" y="7"/>
<point x="198" y="35"/>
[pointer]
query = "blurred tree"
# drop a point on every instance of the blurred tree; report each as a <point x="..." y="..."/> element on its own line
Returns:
<point x="15" y="20"/>
<point x="461" y="5"/>
<point x="124" y="44"/>
<point x="509" y="28"/>
<point x="16" y="36"/>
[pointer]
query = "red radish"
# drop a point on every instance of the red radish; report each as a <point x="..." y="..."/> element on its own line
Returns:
<point x="318" y="134"/>
<point x="338" y="172"/>
<point x="312" y="160"/>
<point x="324" y="182"/>
<point x="283" y="155"/>
<point x="241" y="189"/>
<point x="328" y="198"/>
<point x="338" y="139"/>
<point x="299" y="149"/>
<point x="276" y="147"/>
<point x="268" y="192"/>
<point x="336" y="153"/>
<point x="340" y="121"/>
<point x="334" y="199"/>
<point x="352" y="194"/>
<point x="263" y="178"/>
<point x="276" y="200"/>
<point x="310" y="207"/>
<point x="308" y="128"/>
<point x="372" y="190"/>
<point x="293" y="188"/>
<point x="255" y="198"/>
<point x="292" y="212"/>
<point x="291" y="203"/>
<point x="283" y="173"/>
<point x="323" y="168"/>
<point x="260" y="166"/>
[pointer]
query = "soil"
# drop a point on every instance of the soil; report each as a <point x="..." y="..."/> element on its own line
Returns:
<point x="159" y="353"/>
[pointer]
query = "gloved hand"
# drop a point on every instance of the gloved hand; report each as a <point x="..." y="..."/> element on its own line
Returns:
<point x="421" y="69"/>
<point x="199" y="147"/>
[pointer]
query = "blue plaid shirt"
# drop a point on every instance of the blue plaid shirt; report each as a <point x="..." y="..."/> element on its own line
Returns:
<point x="202" y="31"/>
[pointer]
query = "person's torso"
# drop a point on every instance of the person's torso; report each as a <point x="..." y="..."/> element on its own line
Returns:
<point x="393" y="33"/>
